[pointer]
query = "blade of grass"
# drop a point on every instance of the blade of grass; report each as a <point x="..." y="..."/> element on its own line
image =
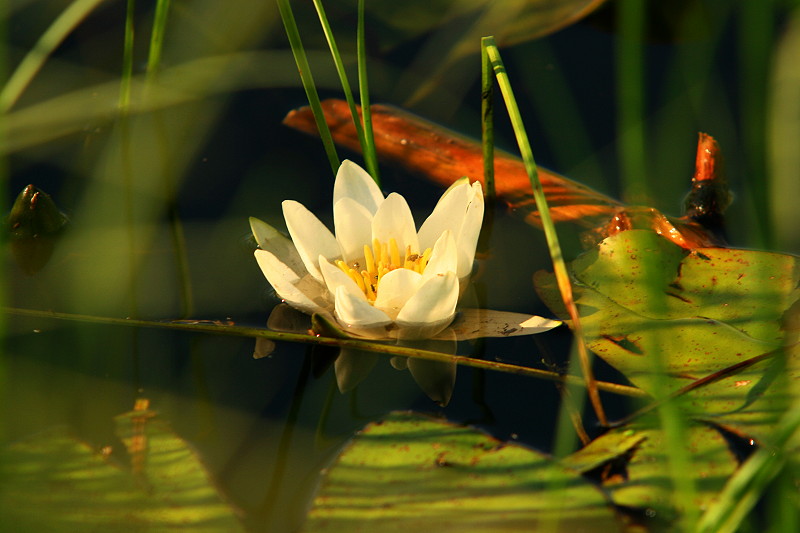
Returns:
<point x="348" y="92"/>
<point x="487" y="123"/>
<point x="199" y="326"/>
<point x="562" y="277"/>
<point x="126" y="162"/>
<point x="756" y="37"/>
<point x="157" y="39"/>
<point x="73" y="15"/>
<point x="368" y="147"/>
<point x="630" y="101"/>
<point x="176" y="226"/>
<point x="744" y="488"/>
<point x="293" y="33"/>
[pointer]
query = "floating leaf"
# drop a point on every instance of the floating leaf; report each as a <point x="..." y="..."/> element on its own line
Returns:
<point x="643" y="481"/>
<point x="53" y="482"/>
<point x="706" y="310"/>
<point x="412" y="472"/>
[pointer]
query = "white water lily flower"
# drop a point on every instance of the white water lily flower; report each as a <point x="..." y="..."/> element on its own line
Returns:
<point x="377" y="276"/>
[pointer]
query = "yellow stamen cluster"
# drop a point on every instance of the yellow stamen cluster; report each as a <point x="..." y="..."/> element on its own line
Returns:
<point x="380" y="259"/>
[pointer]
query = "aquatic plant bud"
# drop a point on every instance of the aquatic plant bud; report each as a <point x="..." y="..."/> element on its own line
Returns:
<point x="34" y="225"/>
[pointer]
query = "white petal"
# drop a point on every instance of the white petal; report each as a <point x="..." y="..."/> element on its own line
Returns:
<point x="395" y="289"/>
<point x="287" y="284"/>
<point x="335" y="278"/>
<point x="444" y="257"/>
<point x="467" y="239"/>
<point x="448" y="214"/>
<point x="271" y="240"/>
<point x="309" y="235"/>
<point x="353" y="223"/>
<point x="431" y="309"/>
<point x="353" y="182"/>
<point x="354" y="312"/>
<point x="393" y="220"/>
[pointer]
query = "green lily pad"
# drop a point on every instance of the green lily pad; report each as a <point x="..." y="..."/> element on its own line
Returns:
<point x="413" y="472"/>
<point x="642" y="297"/>
<point x="644" y="482"/>
<point x="54" y="482"/>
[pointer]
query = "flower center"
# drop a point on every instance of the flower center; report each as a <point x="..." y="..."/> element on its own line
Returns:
<point x="380" y="259"/>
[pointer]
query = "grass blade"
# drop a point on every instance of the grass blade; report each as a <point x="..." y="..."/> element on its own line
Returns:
<point x="293" y="33"/>
<point x="368" y="146"/>
<point x="557" y="257"/>
<point x="73" y="15"/>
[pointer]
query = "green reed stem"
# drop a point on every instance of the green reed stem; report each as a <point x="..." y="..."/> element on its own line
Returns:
<point x="487" y="123"/>
<point x="756" y="37"/>
<point x="339" y="63"/>
<point x="744" y="488"/>
<point x="157" y="39"/>
<point x="368" y="147"/>
<point x="200" y="326"/>
<point x="630" y="101"/>
<point x="127" y="59"/>
<point x="293" y="33"/>
<point x="176" y="226"/>
<point x="30" y="65"/>
<point x="560" y="268"/>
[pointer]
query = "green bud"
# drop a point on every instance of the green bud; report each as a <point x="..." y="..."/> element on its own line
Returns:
<point x="34" y="226"/>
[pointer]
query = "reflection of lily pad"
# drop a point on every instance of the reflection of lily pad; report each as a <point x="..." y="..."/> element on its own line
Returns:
<point x="53" y="482"/>
<point x="412" y="472"/>
<point x="704" y="311"/>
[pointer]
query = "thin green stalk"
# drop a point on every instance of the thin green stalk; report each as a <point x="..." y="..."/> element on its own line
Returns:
<point x="756" y="33"/>
<point x="127" y="59"/>
<point x="368" y="147"/>
<point x="560" y="268"/>
<point x="744" y="488"/>
<point x="630" y="101"/>
<point x="200" y="326"/>
<point x="157" y="39"/>
<point x="30" y="65"/>
<point x="348" y="92"/>
<point x="176" y="226"/>
<point x="293" y="33"/>
<point x="487" y="123"/>
<point x="126" y="161"/>
<point x="4" y="196"/>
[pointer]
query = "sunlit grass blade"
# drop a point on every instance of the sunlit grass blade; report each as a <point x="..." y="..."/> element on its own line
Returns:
<point x="630" y="101"/>
<point x="557" y="257"/>
<point x="73" y="15"/>
<point x="337" y="60"/>
<point x="164" y="145"/>
<point x="293" y="33"/>
<point x="632" y="149"/>
<point x="157" y="39"/>
<point x="127" y="58"/>
<point x="487" y="123"/>
<point x="368" y="146"/>
<point x="745" y="487"/>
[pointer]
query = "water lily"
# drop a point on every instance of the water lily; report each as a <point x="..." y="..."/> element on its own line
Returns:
<point x="377" y="275"/>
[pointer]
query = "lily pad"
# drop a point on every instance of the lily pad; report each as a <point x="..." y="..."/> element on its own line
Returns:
<point x="54" y="482"/>
<point x="643" y="482"/>
<point x="642" y="299"/>
<point x="413" y="472"/>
